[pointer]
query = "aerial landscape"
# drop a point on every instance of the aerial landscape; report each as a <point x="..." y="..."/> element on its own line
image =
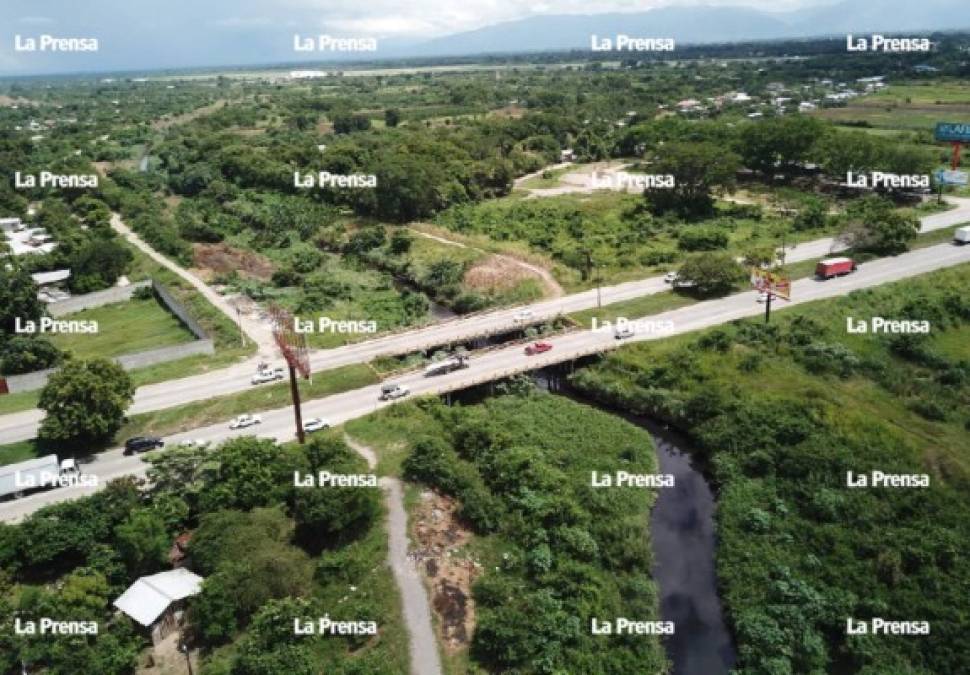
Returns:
<point x="480" y="338"/>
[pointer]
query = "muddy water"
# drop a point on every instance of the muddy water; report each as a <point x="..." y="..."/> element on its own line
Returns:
<point x="684" y="548"/>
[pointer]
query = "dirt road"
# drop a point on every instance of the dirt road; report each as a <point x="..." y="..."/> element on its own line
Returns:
<point x="414" y="598"/>
<point x="257" y="331"/>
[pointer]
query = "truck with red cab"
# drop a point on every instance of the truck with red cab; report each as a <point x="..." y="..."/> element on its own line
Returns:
<point x="834" y="267"/>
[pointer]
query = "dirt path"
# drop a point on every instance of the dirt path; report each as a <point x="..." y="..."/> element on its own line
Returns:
<point x="256" y="330"/>
<point x="552" y="287"/>
<point x="414" y="598"/>
<point x="518" y="182"/>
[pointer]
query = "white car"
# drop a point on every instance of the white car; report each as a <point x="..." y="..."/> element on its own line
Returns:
<point x="670" y="277"/>
<point x="267" y="375"/>
<point x="524" y="316"/>
<point x="622" y="332"/>
<point x="315" y="424"/>
<point x="389" y="392"/>
<point x="245" y="420"/>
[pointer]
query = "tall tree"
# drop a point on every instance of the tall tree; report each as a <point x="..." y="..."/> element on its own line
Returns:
<point x="85" y="402"/>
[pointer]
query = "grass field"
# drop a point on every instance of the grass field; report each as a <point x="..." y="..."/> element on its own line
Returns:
<point x="909" y="107"/>
<point x="124" y="328"/>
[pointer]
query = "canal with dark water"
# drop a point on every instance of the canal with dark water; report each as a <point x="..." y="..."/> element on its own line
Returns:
<point x="683" y="540"/>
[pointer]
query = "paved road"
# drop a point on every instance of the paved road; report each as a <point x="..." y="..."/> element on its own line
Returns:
<point x="278" y="424"/>
<point x="23" y="425"/>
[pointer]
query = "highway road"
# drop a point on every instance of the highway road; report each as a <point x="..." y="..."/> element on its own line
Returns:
<point x="23" y="425"/>
<point x="499" y="363"/>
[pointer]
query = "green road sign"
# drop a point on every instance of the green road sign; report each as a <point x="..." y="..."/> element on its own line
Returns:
<point x="952" y="131"/>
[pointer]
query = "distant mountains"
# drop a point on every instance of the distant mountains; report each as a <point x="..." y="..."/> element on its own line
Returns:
<point x="140" y="37"/>
<point x="703" y="24"/>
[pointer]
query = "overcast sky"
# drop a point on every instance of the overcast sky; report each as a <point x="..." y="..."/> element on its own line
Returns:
<point x="138" y="34"/>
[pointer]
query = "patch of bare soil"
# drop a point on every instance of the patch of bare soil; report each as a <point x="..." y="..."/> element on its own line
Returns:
<point x="509" y="111"/>
<point x="439" y="539"/>
<point x="212" y="259"/>
<point x="496" y="273"/>
<point x="166" y="659"/>
<point x="171" y="120"/>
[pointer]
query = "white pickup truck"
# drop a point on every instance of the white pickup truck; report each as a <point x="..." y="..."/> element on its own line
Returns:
<point x="961" y="236"/>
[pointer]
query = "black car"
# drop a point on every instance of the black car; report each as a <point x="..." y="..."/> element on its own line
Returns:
<point x="142" y="444"/>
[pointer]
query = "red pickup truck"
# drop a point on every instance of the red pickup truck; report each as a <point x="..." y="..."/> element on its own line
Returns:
<point x="834" y="267"/>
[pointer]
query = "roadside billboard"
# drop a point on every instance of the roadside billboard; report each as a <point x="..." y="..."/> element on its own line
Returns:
<point x="952" y="177"/>
<point x="955" y="132"/>
<point x="771" y="282"/>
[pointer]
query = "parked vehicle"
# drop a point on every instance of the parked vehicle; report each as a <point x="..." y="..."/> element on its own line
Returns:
<point x="835" y="267"/>
<point x="31" y="474"/>
<point x="961" y="236"/>
<point x="670" y="277"/>
<point x="389" y="392"/>
<point x="267" y="375"/>
<point x="315" y="424"/>
<point x="525" y="316"/>
<point x="537" y="348"/>
<point x="245" y="420"/>
<point x="455" y="362"/>
<point x="138" y="444"/>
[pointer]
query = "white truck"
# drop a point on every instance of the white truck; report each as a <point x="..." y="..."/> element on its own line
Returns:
<point x="455" y="362"/>
<point x="32" y="474"/>
<point x="961" y="236"/>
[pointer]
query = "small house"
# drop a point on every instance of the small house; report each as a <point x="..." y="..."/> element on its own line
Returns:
<point x="157" y="602"/>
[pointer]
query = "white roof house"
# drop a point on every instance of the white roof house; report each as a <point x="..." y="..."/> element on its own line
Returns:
<point x="149" y="597"/>
<point x="45" y="278"/>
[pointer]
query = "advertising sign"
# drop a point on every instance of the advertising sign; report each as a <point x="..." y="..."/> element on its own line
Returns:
<point x="772" y="282"/>
<point x="952" y="177"/>
<point x="952" y="132"/>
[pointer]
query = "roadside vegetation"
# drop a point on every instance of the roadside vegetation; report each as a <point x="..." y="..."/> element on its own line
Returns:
<point x="269" y="553"/>
<point x="552" y="552"/>
<point x="780" y="414"/>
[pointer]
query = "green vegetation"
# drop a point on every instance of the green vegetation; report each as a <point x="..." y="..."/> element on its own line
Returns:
<point x="85" y="402"/>
<point x="206" y="412"/>
<point x="270" y="552"/>
<point x="780" y="414"/>
<point x="557" y="552"/>
<point x="633" y="309"/>
<point x="124" y="328"/>
<point x="259" y="397"/>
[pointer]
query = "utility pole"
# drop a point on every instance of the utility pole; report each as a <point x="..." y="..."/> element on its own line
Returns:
<point x="242" y="336"/>
<point x="599" y="285"/>
<point x="298" y="413"/>
<point x="768" y="308"/>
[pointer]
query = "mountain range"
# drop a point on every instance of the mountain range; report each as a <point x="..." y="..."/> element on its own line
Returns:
<point x="703" y="24"/>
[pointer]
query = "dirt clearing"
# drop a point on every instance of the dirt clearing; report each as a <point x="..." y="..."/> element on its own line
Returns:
<point x="439" y="549"/>
<point x="213" y="259"/>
